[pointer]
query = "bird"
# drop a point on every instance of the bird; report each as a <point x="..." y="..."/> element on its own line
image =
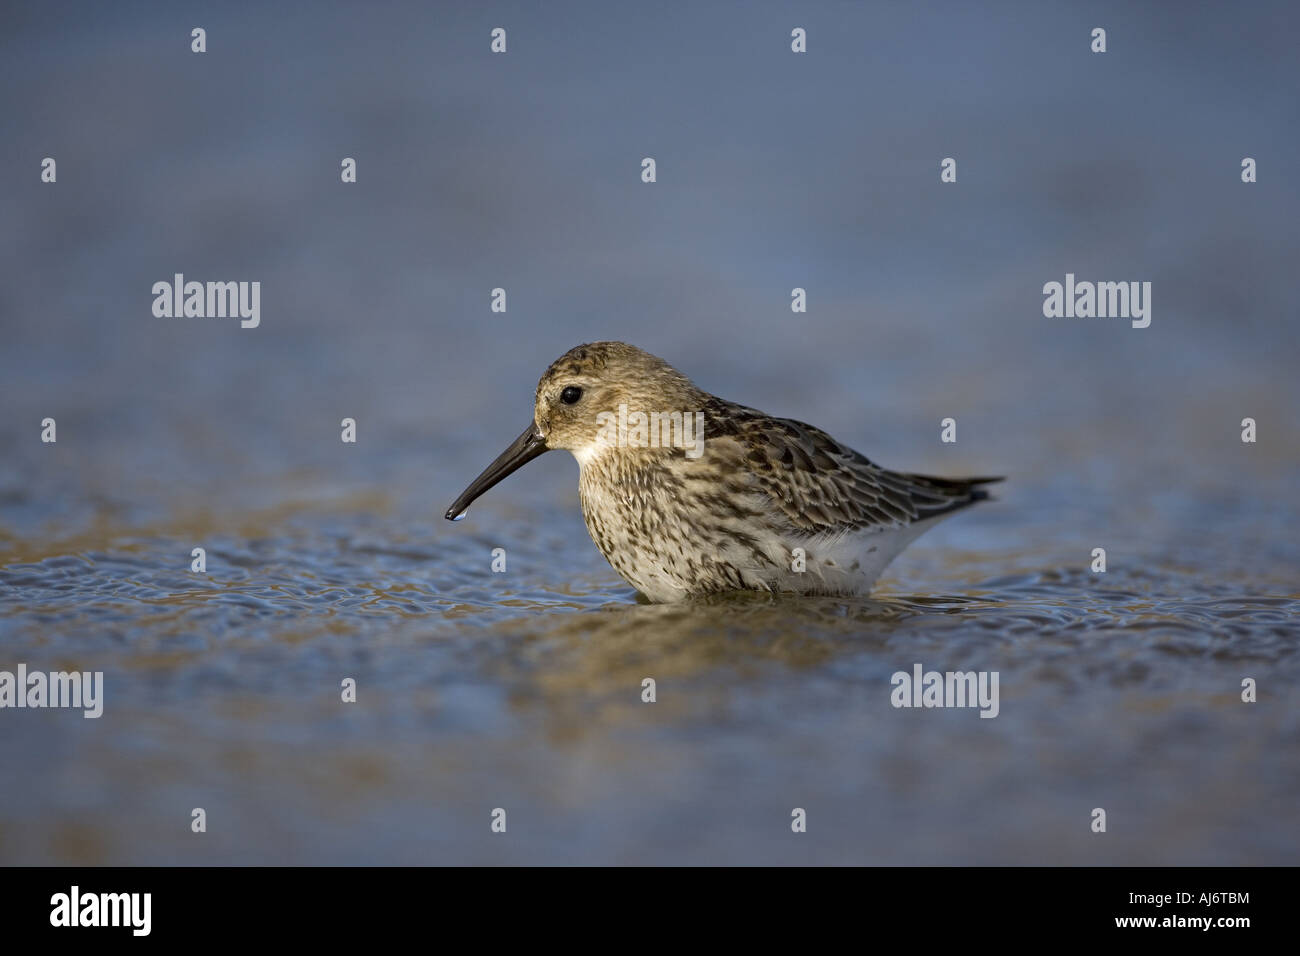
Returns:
<point x="687" y="494"/>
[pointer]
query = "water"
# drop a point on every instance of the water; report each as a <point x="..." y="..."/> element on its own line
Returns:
<point x="523" y="690"/>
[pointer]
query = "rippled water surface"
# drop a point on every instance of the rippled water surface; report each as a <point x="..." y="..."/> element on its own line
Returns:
<point x="522" y="690"/>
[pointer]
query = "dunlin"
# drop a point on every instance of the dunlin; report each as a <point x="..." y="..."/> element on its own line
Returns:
<point x="750" y="502"/>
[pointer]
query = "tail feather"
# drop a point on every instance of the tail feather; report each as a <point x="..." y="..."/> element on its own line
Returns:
<point x="933" y="496"/>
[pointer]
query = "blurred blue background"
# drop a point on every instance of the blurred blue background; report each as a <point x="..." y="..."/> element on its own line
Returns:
<point x="522" y="171"/>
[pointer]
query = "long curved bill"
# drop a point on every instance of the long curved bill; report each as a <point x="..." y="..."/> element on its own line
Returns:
<point x="521" y="451"/>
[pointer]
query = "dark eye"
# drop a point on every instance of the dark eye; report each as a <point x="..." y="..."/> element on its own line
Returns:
<point x="571" y="395"/>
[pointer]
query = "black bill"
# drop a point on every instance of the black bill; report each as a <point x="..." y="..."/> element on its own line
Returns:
<point x="521" y="451"/>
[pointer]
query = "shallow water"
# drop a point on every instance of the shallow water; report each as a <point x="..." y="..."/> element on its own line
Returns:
<point x="522" y="689"/>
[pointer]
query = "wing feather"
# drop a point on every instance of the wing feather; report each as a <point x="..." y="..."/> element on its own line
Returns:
<point x="821" y="485"/>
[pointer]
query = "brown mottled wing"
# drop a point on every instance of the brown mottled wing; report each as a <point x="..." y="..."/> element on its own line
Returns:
<point x="821" y="485"/>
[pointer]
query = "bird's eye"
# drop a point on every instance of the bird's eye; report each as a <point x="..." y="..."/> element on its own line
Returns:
<point x="571" y="395"/>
